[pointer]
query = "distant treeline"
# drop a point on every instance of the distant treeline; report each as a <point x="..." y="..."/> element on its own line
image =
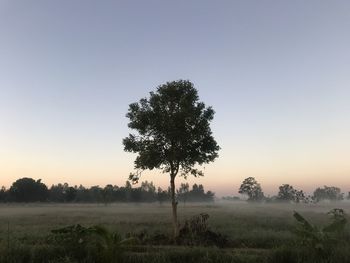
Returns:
<point x="30" y="190"/>
<point x="287" y="193"/>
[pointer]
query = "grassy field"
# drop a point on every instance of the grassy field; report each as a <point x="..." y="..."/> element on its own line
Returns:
<point x="256" y="232"/>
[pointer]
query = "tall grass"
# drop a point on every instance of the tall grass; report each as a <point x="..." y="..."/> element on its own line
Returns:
<point x="256" y="233"/>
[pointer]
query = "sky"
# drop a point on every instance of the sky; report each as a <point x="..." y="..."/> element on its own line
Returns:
<point x="277" y="74"/>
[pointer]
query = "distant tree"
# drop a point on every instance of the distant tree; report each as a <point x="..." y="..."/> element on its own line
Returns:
<point x="119" y="194"/>
<point x="95" y="194"/>
<point x="251" y="188"/>
<point x="300" y="197"/>
<point x="196" y="194"/>
<point x="28" y="190"/>
<point x="288" y="193"/>
<point x="127" y="190"/>
<point x="128" y="185"/>
<point x="70" y="194"/>
<point x="331" y="193"/>
<point x="56" y="193"/>
<point x="62" y="193"/>
<point x="162" y="195"/>
<point x="173" y="134"/>
<point x="148" y="191"/>
<point x="136" y="195"/>
<point x="183" y="191"/>
<point x="83" y="194"/>
<point x="209" y="196"/>
<point x="197" y="190"/>
<point x="3" y="194"/>
<point x="148" y="187"/>
<point x="107" y="194"/>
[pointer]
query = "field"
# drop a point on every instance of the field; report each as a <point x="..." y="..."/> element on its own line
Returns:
<point x="255" y="232"/>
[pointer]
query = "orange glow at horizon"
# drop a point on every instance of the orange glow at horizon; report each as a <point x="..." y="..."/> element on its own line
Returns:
<point x="224" y="176"/>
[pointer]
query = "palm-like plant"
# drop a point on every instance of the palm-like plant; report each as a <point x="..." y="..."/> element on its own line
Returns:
<point x="321" y="237"/>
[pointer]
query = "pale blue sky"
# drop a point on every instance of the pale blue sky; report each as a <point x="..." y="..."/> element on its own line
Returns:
<point x="276" y="72"/>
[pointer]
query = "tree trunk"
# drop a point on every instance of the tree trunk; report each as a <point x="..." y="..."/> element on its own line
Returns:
<point x="174" y="206"/>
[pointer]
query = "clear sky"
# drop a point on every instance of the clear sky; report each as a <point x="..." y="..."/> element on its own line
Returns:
<point x="277" y="74"/>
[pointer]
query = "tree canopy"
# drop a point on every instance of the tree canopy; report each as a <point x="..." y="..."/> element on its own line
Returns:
<point x="289" y="193"/>
<point x="173" y="132"/>
<point x="331" y="193"/>
<point x="28" y="190"/>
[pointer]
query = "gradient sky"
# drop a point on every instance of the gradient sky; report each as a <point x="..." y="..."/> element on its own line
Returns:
<point x="277" y="74"/>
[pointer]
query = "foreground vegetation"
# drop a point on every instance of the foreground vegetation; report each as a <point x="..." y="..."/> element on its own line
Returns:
<point x="142" y="233"/>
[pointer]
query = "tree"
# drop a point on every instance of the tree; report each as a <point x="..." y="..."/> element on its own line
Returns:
<point x="288" y="193"/>
<point x="196" y="194"/>
<point x="56" y="193"/>
<point x="148" y="192"/>
<point x="300" y="197"/>
<point x="3" y="194"/>
<point x="28" y="190"/>
<point x="172" y="134"/>
<point x="183" y="191"/>
<point x="62" y="193"/>
<point x="331" y="193"/>
<point x="209" y="196"/>
<point x="251" y="188"/>
<point x="107" y="194"/>
<point x="70" y="194"/>
<point x="162" y="195"/>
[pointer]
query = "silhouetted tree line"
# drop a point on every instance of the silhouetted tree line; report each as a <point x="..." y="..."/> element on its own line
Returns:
<point x="29" y="190"/>
<point x="196" y="194"/>
<point x="287" y="193"/>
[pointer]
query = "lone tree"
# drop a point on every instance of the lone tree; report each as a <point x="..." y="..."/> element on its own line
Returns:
<point x="173" y="134"/>
<point x="251" y="188"/>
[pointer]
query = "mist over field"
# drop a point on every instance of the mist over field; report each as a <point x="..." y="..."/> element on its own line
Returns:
<point x="254" y="232"/>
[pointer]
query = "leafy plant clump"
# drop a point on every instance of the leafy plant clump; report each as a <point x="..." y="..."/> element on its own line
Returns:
<point x="322" y="238"/>
<point x="325" y="244"/>
<point x="196" y="232"/>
